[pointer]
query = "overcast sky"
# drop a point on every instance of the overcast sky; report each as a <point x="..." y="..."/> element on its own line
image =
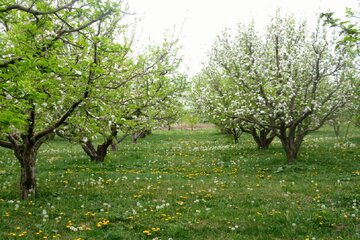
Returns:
<point x="197" y="22"/>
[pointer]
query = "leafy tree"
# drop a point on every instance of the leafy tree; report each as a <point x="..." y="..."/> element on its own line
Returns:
<point x="190" y="118"/>
<point x="223" y="100"/>
<point x="216" y="103"/>
<point x="343" y="118"/>
<point x="111" y="51"/>
<point x="350" y="36"/>
<point x="47" y="70"/>
<point x="158" y="92"/>
<point x="290" y="81"/>
<point x="349" y="27"/>
<point x="135" y="96"/>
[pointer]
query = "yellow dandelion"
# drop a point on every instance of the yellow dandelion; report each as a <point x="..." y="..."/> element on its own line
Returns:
<point x="103" y="222"/>
<point x="22" y="234"/>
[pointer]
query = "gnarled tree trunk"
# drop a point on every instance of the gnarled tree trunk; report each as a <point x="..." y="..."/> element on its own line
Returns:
<point x="27" y="159"/>
<point x="291" y="143"/>
<point x="26" y="153"/>
<point x="140" y="134"/>
<point x="99" y="154"/>
<point x="236" y="133"/>
<point x="264" y="138"/>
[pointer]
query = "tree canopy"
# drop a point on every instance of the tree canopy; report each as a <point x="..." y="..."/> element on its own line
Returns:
<point x="289" y="81"/>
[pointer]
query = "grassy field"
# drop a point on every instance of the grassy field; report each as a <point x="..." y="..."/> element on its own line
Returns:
<point x="188" y="185"/>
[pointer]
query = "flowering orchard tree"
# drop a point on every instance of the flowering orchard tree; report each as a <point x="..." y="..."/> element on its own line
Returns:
<point x="157" y="94"/>
<point x="289" y="81"/>
<point x="48" y="68"/>
<point x="110" y="50"/>
<point x="132" y="98"/>
<point x="212" y="96"/>
<point x="349" y="36"/>
<point x="220" y="81"/>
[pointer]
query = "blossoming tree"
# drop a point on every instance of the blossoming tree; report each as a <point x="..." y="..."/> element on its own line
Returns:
<point x="289" y="81"/>
<point x="140" y="93"/>
<point x="47" y="71"/>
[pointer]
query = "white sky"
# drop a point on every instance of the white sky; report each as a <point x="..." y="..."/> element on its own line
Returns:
<point x="198" y="22"/>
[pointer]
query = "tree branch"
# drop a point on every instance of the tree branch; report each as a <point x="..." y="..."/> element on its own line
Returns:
<point x="60" y="121"/>
<point x="62" y="32"/>
<point x="6" y="145"/>
<point x="36" y="12"/>
<point x="31" y="126"/>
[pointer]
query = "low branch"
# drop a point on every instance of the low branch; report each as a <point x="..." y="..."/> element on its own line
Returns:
<point x="88" y="147"/>
<point x="6" y="145"/>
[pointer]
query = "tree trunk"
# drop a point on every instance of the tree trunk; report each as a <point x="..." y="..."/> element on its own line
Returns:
<point x="291" y="147"/>
<point x="291" y="153"/>
<point x="236" y="134"/>
<point x="236" y="139"/>
<point x="134" y="138"/>
<point x="291" y="143"/>
<point x="101" y="153"/>
<point x="347" y="130"/>
<point x="26" y="154"/>
<point x="263" y="139"/>
<point x="137" y="135"/>
<point x="98" y="154"/>
<point x="337" y="130"/>
<point x="28" y="180"/>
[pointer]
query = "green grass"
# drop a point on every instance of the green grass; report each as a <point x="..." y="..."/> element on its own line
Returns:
<point x="188" y="185"/>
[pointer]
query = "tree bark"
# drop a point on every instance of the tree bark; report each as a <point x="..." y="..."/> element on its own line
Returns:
<point x="291" y="143"/>
<point x="336" y="127"/>
<point x="28" y="178"/>
<point x="99" y="154"/>
<point x="236" y="134"/>
<point x="140" y="134"/>
<point x="347" y="130"/>
<point x="26" y="154"/>
<point x="264" y="138"/>
<point x="134" y="138"/>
